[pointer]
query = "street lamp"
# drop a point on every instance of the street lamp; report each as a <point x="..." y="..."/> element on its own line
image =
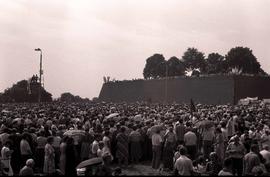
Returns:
<point x="166" y="82"/>
<point x="40" y="74"/>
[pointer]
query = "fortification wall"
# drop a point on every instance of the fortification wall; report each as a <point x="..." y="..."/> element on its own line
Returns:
<point x="247" y="86"/>
<point x="207" y="90"/>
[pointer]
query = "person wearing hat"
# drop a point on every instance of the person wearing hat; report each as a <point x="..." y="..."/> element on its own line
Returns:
<point x="27" y="170"/>
<point x="236" y="151"/>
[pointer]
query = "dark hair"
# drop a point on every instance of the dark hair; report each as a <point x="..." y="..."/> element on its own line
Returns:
<point x="227" y="162"/>
<point x="122" y="129"/>
<point x="254" y="147"/>
<point x="50" y="140"/>
<point x="183" y="151"/>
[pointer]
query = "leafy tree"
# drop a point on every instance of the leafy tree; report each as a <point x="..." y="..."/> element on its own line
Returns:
<point x="215" y="64"/>
<point x="175" y="67"/>
<point x="243" y="58"/>
<point x="194" y="59"/>
<point x="154" y="67"/>
<point x="24" y="91"/>
<point x="68" y="97"/>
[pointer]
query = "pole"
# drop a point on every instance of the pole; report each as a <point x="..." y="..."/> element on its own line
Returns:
<point x="40" y="76"/>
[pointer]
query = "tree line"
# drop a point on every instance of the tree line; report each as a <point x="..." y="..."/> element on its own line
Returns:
<point x="238" y="58"/>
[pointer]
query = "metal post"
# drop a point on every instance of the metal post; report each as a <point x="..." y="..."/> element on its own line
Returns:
<point x="166" y="83"/>
<point x="40" y="76"/>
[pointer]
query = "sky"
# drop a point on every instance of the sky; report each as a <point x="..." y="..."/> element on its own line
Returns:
<point x="84" y="40"/>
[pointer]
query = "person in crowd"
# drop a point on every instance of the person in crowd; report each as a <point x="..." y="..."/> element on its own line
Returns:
<point x="236" y="152"/>
<point x="251" y="160"/>
<point x="183" y="165"/>
<point x="122" y="147"/>
<point x="28" y="169"/>
<point x="105" y="169"/>
<point x="49" y="158"/>
<point x="227" y="168"/>
<point x="208" y="141"/>
<point x="87" y="140"/>
<point x="266" y="153"/>
<point x="157" y="147"/>
<point x="219" y="144"/>
<point x="5" y="159"/>
<point x="190" y="141"/>
<point x="25" y="149"/>
<point x="213" y="167"/>
<point x="169" y="146"/>
<point x="15" y="139"/>
<point x="56" y="146"/>
<point x="135" y="145"/>
<point x="94" y="146"/>
<point x="71" y="156"/>
<point x="180" y="131"/>
<point x="63" y="155"/>
<point x="265" y="139"/>
<point x="40" y="150"/>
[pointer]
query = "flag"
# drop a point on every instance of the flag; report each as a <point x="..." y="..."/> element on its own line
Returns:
<point x="192" y="107"/>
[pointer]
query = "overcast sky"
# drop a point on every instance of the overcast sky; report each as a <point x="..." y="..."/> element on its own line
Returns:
<point x="84" y="40"/>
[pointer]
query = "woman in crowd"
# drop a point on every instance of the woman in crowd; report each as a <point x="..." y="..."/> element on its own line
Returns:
<point x="63" y="155"/>
<point x="122" y="147"/>
<point x="49" y="159"/>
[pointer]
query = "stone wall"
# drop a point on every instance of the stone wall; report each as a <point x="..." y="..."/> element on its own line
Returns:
<point x="207" y="90"/>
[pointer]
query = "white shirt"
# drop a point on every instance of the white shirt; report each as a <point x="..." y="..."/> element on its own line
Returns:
<point x="266" y="155"/>
<point x="184" y="166"/>
<point x="190" y="139"/>
<point x="156" y="139"/>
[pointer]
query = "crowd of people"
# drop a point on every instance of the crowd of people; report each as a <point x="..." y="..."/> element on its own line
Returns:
<point x="53" y="138"/>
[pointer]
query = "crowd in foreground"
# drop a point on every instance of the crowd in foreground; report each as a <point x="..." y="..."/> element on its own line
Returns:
<point x="53" y="138"/>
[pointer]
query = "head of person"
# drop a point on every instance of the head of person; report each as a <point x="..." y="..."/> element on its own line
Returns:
<point x="30" y="163"/>
<point x="213" y="156"/>
<point x="101" y="144"/>
<point x="228" y="163"/>
<point x="254" y="148"/>
<point x="266" y="147"/>
<point x="183" y="150"/>
<point x="218" y="130"/>
<point x="123" y="129"/>
<point x="106" y="158"/>
<point x="50" y="140"/>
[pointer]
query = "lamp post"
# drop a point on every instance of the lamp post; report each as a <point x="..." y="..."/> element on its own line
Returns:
<point x="40" y="74"/>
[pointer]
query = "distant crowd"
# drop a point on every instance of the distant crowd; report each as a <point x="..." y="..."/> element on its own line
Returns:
<point x="53" y="138"/>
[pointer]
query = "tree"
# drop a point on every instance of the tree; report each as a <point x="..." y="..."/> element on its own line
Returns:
<point x="215" y="64"/>
<point x="68" y="97"/>
<point x="154" y="66"/>
<point x="194" y="59"/>
<point x="243" y="58"/>
<point x="19" y="92"/>
<point x="175" y="67"/>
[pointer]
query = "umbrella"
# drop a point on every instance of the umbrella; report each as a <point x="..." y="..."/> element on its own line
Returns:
<point x="138" y="118"/>
<point x="90" y="162"/>
<point x="27" y="121"/>
<point x="206" y="124"/>
<point x="156" y="127"/>
<point x="113" y="116"/>
<point x="5" y="111"/>
<point x="17" y="120"/>
<point x="74" y="133"/>
<point x="75" y="120"/>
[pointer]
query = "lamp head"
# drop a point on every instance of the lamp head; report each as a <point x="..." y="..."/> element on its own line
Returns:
<point x="38" y="49"/>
